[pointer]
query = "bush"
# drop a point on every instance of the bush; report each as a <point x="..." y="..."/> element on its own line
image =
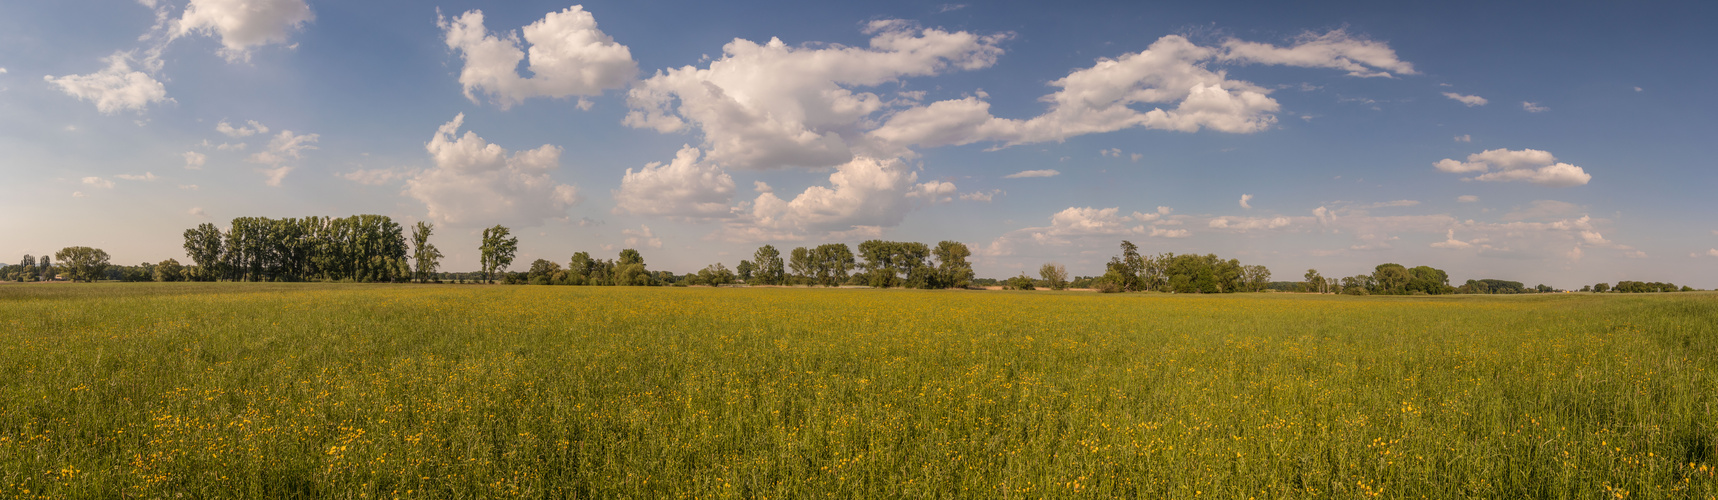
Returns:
<point x="1108" y="287"/>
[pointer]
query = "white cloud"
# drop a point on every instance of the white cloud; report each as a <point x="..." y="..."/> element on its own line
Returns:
<point x="375" y="176"/>
<point x="115" y="89"/>
<point x="1450" y="241"/>
<point x="1712" y="252"/>
<point x="1533" y="107"/>
<point x="195" y="160"/>
<point x="1078" y="225"/>
<point x="772" y="105"/>
<point x="1334" y="49"/>
<point x="1636" y="89"/>
<point x="1396" y="203"/>
<point x="1033" y="173"/>
<point x="641" y="237"/>
<point x="198" y="211"/>
<point x="1467" y="198"/>
<point x="568" y="57"/>
<point x="243" y="24"/>
<point x="3" y="71"/>
<point x="863" y="192"/>
<point x="77" y="194"/>
<point x="231" y="146"/>
<point x="1244" y="199"/>
<point x="1469" y="100"/>
<point x="1136" y="157"/>
<point x="1464" y="138"/>
<point x="1250" y="223"/>
<point x="1172" y="73"/>
<point x="147" y="176"/>
<point x="1530" y="165"/>
<point x="1158" y="232"/>
<point x="98" y="182"/>
<point x="984" y="196"/>
<point x="284" y="147"/>
<point x="241" y="131"/>
<point x="475" y="183"/>
<point x="683" y="187"/>
<point x="188" y="187"/>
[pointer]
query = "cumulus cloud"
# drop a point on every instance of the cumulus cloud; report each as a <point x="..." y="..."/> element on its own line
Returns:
<point x="568" y="57"/>
<point x="641" y="237"/>
<point x="1464" y="138"/>
<point x="1469" y="100"/>
<point x="475" y="183"/>
<point x="1172" y="75"/>
<point x="282" y="149"/>
<point x="98" y="182"/>
<point x="1244" y="199"/>
<point x="195" y="160"/>
<point x="1396" y="203"/>
<point x="243" y="24"/>
<point x="1033" y="173"/>
<point x="1467" y="198"/>
<point x="772" y="105"/>
<point x="1532" y="107"/>
<point x="684" y="187"/>
<point x="198" y="211"/>
<point x="147" y="176"/>
<point x="1527" y="165"/>
<point x="115" y="89"/>
<point x="861" y="193"/>
<point x="241" y="130"/>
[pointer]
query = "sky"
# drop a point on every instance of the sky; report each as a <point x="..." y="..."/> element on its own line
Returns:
<point x="1543" y="142"/>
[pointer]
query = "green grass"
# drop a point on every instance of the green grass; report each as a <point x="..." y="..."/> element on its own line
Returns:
<point x="382" y="391"/>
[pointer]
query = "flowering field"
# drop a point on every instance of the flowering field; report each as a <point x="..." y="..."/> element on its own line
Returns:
<point x="383" y="391"/>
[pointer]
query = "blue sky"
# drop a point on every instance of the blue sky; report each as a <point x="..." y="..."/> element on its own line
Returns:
<point x="1539" y="142"/>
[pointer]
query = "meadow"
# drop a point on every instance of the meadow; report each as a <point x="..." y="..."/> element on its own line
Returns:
<point x="199" y="390"/>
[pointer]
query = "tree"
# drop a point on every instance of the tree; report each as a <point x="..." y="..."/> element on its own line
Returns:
<point x="1054" y="275"/>
<point x="542" y="272"/>
<point x="28" y="271"/>
<point x="1314" y="281"/>
<point x="629" y="257"/>
<point x="831" y="263"/>
<point x="169" y="270"/>
<point x="1602" y="287"/>
<point x="768" y="266"/>
<point x="1128" y="267"/>
<point x="46" y="268"/>
<point x="953" y="270"/>
<point x="1255" y="278"/>
<point x="83" y="263"/>
<point x="744" y="271"/>
<point x="425" y="255"/>
<point x="716" y="275"/>
<point x="800" y="264"/>
<point x="204" y="245"/>
<point x="497" y="251"/>
<point x="1425" y="279"/>
<point x="1020" y="282"/>
<point x="1391" y="279"/>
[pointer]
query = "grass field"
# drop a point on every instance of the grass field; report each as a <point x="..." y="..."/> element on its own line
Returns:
<point x="353" y="391"/>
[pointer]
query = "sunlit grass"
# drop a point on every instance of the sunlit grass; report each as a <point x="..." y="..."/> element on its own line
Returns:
<point x="256" y="390"/>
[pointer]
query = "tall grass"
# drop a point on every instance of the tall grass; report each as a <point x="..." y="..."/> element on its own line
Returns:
<point x="353" y="391"/>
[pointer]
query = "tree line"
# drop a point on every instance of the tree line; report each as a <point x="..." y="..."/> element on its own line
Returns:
<point x="373" y="248"/>
<point x="878" y="263"/>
